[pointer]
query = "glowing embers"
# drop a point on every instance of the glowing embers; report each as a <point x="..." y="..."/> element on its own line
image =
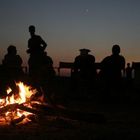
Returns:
<point x="17" y="107"/>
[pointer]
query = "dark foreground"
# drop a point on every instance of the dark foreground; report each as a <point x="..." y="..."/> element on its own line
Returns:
<point x="122" y="117"/>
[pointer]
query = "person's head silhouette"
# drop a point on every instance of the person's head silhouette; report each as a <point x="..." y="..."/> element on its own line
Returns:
<point x="32" y="29"/>
<point x="115" y="49"/>
<point x="128" y="64"/>
<point x="12" y="50"/>
<point x="84" y="51"/>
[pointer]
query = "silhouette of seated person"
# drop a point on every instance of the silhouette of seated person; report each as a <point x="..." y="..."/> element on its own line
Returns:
<point x="84" y="68"/>
<point x="112" y="67"/>
<point x="47" y="72"/>
<point x="12" y="63"/>
<point x="12" y="69"/>
<point x="128" y="72"/>
<point x="36" y="47"/>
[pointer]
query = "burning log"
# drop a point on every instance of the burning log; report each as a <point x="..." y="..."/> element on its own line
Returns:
<point x="32" y="117"/>
<point x="18" y="120"/>
<point x="28" y="109"/>
<point x="9" y="107"/>
<point x="71" y="114"/>
<point x="39" y="109"/>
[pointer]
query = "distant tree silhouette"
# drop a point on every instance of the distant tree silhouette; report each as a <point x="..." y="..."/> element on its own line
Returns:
<point x="112" y="67"/>
<point x="84" y="67"/>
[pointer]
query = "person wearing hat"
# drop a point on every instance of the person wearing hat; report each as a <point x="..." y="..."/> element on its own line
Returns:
<point x="84" y="67"/>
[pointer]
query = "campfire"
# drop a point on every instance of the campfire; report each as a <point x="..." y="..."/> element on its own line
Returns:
<point x="20" y="107"/>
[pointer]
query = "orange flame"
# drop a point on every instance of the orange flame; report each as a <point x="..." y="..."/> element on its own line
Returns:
<point x="23" y="97"/>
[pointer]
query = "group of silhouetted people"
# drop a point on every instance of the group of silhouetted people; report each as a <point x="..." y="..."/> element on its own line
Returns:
<point x="111" y="70"/>
<point x="41" y="69"/>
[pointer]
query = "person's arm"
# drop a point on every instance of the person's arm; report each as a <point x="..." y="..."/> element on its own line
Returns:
<point x="43" y="44"/>
<point x="123" y="66"/>
<point x="29" y="47"/>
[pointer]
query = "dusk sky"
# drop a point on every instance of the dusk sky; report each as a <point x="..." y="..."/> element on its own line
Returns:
<point x="69" y="25"/>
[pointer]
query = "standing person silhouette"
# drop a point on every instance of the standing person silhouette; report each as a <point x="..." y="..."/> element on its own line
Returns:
<point x="112" y="67"/>
<point x="35" y="44"/>
<point x="36" y="47"/>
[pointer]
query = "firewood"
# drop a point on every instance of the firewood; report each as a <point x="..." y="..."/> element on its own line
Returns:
<point x="72" y="114"/>
<point x="40" y="109"/>
<point x="9" y="107"/>
<point x="28" y="109"/>
<point x="82" y="116"/>
<point x="32" y="117"/>
<point x="18" y="120"/>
